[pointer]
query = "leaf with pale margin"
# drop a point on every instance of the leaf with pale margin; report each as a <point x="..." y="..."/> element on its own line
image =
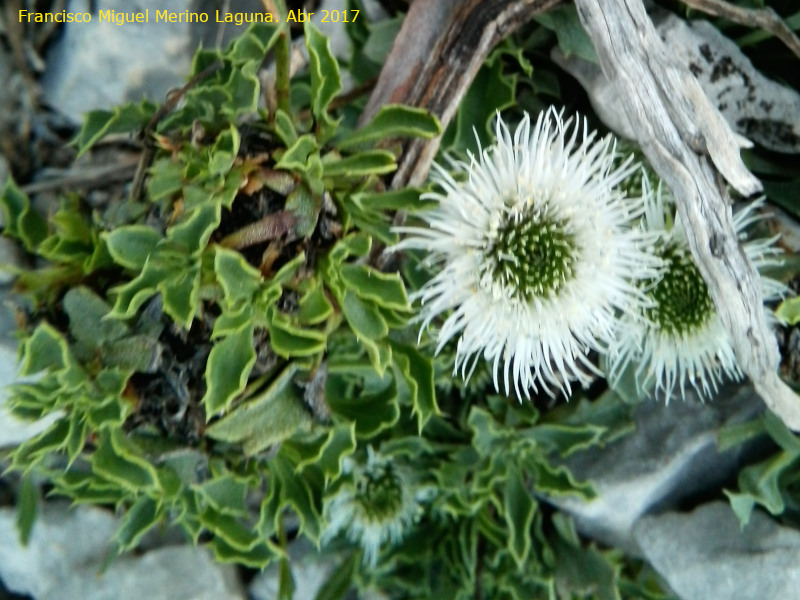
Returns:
<point x="267" y="419"/>
<point x="229" y="366"/>
<point x="394" y="121"/>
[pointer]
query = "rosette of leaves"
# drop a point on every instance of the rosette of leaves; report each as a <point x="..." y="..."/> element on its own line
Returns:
<point x="217" y="345"/>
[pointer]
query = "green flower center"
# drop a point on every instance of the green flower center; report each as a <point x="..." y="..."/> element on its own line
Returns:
<point x="681" y="296"/>
<point x="533" y="254"/>
<point x="380" y="492"/>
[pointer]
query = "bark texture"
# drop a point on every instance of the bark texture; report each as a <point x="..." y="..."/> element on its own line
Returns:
<point x="434" y="59"/>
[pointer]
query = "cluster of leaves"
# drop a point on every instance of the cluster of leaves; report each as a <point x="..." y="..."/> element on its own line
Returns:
<point x="487" y="532"/>
<point x="175" y="355"/>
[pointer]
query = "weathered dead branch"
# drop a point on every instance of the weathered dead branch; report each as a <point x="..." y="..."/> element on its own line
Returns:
<point x="692" y="148"/>
<point x="435" y="57"/>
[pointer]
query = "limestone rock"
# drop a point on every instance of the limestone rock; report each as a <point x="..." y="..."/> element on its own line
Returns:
<point x="67" y="550"/>
<point x="672" y="455"/>
<point x="704" y="555"/>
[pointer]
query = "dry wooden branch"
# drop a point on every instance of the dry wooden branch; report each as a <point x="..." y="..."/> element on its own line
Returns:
<point x="435" y="57"/>
<point x="692" y="148"/>
<point x="765" y="18"/>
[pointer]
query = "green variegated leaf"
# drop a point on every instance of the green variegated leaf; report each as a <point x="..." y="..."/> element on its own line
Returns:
<point x="257" y="557"/>
<point x="19" y="219"/>
<point x="564" y="439"/>
<point x="192" y="233"/>
<point x="45" y="349"/>
<point x="267" y="419"/>
<point x="288" y="340"/>
<point x="296" y="156"/>
<point x="287" y="489"/>
<point x="394" y="121"/>
<point x="520" y="509"/>
<point x="355" y="244"/>
<point x="417" y="370"/>
<point x="123" y="119"/>
<point x="228" y="528"/>
<point x="238" y="279"/>
<point x="371" y="412"/>
<point x="384" y="289"/>
<point x="324" y="451"/>
<point x="253" y="44"/>
<point x="229" y="366"/>
<point x="180" y="292"/>
<point x="404" y="199"/>
<point x="557" y="480"/>
<point x="86" y="311"/>
<point x="130" y="246"/>
<point x="138" y="520"/>
<point x="77" y="437"/>
<point x="581" y="572"/>
<point x="225" y="150"/>
<point x="245" y="91"/>
<point x="375" y="223"/>
<point x="166" y="179"/>
<point x="363" y="317"/>
<point x="132" y="295"/>
<point x="285" y="129"/>
<point x="369" y="162"/>
<point x="487" y="432"/>
<point x="53" y="439"/>
<point x="235" y="319"/>
<point x="27" y="507"/>
<point x="315" y="307"/>
<point x="225" y="494"/>
<point x="325" y="79"/>
<point x="115" y="461"/>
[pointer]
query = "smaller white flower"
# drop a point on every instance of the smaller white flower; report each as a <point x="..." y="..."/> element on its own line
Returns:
<point x="375" y="508"/>
<point x="680" y="340"/>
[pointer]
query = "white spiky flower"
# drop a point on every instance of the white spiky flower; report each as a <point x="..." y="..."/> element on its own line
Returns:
<point x="680" y="340"/>
<point x="536" y="252"/>
<point x="375" y="507"/>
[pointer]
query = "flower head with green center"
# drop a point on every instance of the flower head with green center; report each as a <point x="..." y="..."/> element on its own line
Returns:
<point x="680" y="340"/>
<point x="375" y="507"/>
<point x="536" y="252"/>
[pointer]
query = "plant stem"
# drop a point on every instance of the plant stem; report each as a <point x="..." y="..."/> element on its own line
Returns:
<point x="282" y="56"/>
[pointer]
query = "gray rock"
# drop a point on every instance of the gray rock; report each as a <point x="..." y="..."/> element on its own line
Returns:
<point x="98" y="65"/>
<point x="758" y="108"/>
<point x="310" y="571"/>
<point x="67" y="550"/>
<point x="704" y="555"/>
<point x="672" y="455"/>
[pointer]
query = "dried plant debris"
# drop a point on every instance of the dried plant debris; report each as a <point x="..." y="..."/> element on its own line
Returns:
<point x="756" y="107"/>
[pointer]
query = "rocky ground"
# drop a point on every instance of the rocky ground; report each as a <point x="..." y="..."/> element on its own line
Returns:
<point x="653" y="484"/>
